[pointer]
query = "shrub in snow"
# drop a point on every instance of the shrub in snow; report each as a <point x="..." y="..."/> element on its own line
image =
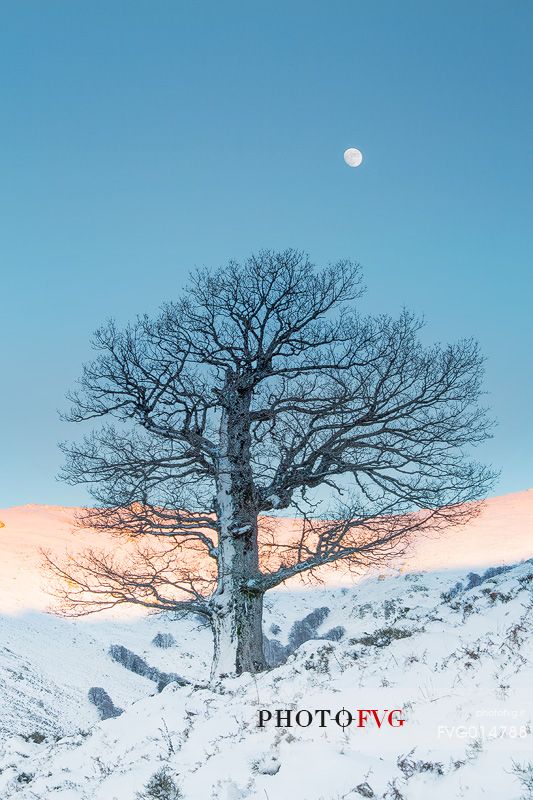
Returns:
<point x="37" y="737"/>
<point x="365" y="790"/>
<point x="389" y="608"/>
<point x="163" y="640"/>
<point x="335" y="634"/>
<point x="473" y="579"/>
<point x="139" y="666"/>
<point x="524" y="773"/>
<point x="410" y="767"/>
<point x="302" y="631"/>
<point x="392" y="608"/>
<point x="473" y="749"/>
<point x="453" y="592"/>
<point x="100" y="698"/>
<point x="306" y="628"/>
<point x="503" y="597"/>
<point x="161" y="786"/>
<point x="133" y="662"/>
<point x="364" y="609"/>
<point x="492" y="571"/>
<point x="268" y="765"/>
<point x="383" y="637"/>
<point x="393" y="793"/>
<point x="319" y="660"/>
<point x="525" y="579"/>
<point x="275" y="629"/>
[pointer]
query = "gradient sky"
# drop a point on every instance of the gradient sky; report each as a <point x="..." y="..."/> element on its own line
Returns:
<point x="143" y="138"/>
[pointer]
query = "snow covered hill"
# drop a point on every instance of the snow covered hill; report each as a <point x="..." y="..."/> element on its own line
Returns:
<point x="443" y="638"/>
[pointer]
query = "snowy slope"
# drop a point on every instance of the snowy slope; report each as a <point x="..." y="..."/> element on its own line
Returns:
<point x="48" y="664"/>
<point x="459" y="663"/>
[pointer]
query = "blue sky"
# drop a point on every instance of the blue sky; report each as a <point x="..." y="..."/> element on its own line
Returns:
<point x="143" y="138"/>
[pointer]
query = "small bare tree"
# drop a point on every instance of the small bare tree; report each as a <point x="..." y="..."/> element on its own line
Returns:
<point x="264" y="390"/>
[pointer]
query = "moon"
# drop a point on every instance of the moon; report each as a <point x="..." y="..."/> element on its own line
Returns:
<point x="353" y="157"/>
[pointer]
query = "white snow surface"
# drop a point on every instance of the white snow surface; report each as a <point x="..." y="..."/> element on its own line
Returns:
<point x="460" y="667"/>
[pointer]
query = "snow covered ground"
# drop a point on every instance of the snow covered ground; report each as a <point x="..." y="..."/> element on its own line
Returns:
<point x="453" y="651"/>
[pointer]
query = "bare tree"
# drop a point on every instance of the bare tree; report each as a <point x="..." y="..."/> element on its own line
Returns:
<point x="263" y="390"/>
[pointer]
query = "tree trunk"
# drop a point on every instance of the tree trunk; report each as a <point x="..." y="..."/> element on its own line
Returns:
<point x="237" y="612"/>
<point x="238" y="636"/>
